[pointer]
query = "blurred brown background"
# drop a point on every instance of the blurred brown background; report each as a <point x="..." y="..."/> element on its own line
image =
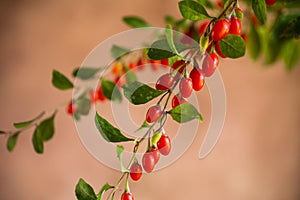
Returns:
<point x="257" y="156"/>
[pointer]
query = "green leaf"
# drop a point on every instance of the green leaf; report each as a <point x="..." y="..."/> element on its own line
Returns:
<point x="46" y="128"/>
<point x="144" y="125"/>
<point x="111" y="91"/>
<point x="120" y="150"/>
<point x="169" y="36"/>
<point x="291" y="54"/>
<point x="109" y="132"/>
<point x="254" y="43"/>
<point x="104" y="189"/>
<point x="118" y="51"/>
<point x="85" y="73"/>
<point x="130" y="76"/>
<point x="170" y="19"/>
<point x="260" y="10"/>
<point x="206" y="4"/>
<point x="84" y="191"/>
<point x="139" y="93"/>
<point x="184" y="113"/>
<point x="60" y="81"/>
<point x="12" y="141"/>
<point x="233" y="46"/>
<point x="192" y="10"/>
<point x="291" y="29"/>
<point x="27" y="123"/>
<point x="135" y="22"/>
<point x="37" y="141"/>
<point x="83" y="106"/>
<point x="160" y="49"/>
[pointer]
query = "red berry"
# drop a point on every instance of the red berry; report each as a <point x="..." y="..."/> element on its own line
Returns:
<point x="154" y="151"/>
<point x="165" y="62"/>
<point x="210" y="63"/>
<point x="165" y="82"/>
<point x="180" y="65"/>
<point x="236" y="26"/>
<point x="127" y="196"/>
<point x="218" y="50"/>
<point x="197" y="77"/>
<point x="270" y="2"/>
<point x="136" y="171"/>
<point x="100" y="95"/>
<point x="93" y="96"/>
<point x="203" y="27"/>
<point x="148" y="162"/>
<point x="220" y="29"/>
<point x="177" y="100"/>
<point x="120" y="81"/>
<point x="164" y="145"/>
<point x="131" y="66"/>
<point x="153" y="113"/>
<point x="141" y="64"/>
<point x="71" y="109"/>
<point x="186" y="87"/>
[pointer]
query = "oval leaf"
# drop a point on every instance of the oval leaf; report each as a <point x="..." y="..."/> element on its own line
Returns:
<point x="260" y="10"/>
<point x="46" y="128"/>
<point x="84" y="191"/>
<point x="111" y="91"/>
<point x="184" y="113"/>
<point x="233" y="46"/>
<point x="135" y="22"/>
<point x="85" y="73"/>
<point x="139" y="93"/>
<point x="291" y="54"/>
<point x="254" y="43"/>
<point x="60" y="81"/>
<point x="169" y="36"/>
<point x="83" y="106"/>
<point x="109" y="132"/>
<point x="192" y="10"/>
<point x="118" y="51"/>
<point x="104" y="189"/>
<point x="37" y="141"/>
<point x="27" y="123"/>
<point x="12" y="141"/>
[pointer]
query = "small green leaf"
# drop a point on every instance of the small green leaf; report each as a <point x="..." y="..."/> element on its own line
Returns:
<point x="144" y="125"/>
<point x="260" y="10"/>
<point x="83" y="106"/>
<point x="135" y="22"/>
<point x="104" y="189"/>
<point x="12" y="141"/>
<point x="60" y="81"/>
<point x="233" y="46"/>
<point x="46" y="128"/>
<point x="111" y="91"/>
<point x="27" y="123"/>
<point x="170" y="19"/>
<point x="120" y="150"/>
<point x="184" y="113"/>
<point x="130" y="76"/>
<point x="206" y="4"/>
<point x="291" y="29"/>
<point x="109" y="132"/>
<point x="254" y="43"/>
<point x="160" y="49"/>
<point x="192" y="10"/>
<point x="37" y="141"/>
<point x="84" y="191"/>
<point x="291" y="54"/>
<point x="85" y="73"/>
<point x="139" y="93"/>
<point x="169" y="36"/>
<point x="118" y="51"/>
